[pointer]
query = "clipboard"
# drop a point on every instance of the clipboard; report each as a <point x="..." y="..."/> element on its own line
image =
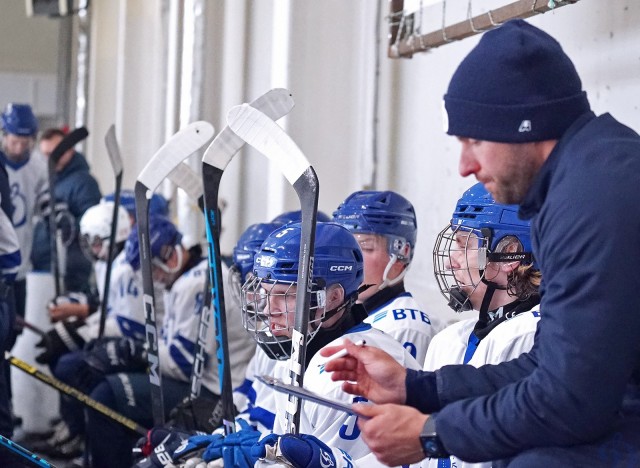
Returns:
<point x="300" y="392"/>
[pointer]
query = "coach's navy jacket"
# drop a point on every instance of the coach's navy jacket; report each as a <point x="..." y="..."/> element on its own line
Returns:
<point x="583" y="372"/>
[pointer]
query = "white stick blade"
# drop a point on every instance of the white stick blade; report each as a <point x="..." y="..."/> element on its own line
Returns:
<point x="178" y="148"/>
<point x="275" y="103"/>
<point x="184" y="177"/>
<point x="113" y="149"/>
<point x="269" y="138"/>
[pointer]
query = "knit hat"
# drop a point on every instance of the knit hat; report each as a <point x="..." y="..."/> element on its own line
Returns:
<point x="516" y="86"/>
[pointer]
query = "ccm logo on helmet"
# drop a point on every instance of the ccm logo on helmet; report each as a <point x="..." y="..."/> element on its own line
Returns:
<point x="266" y="261"/>
<point x="340" y="268"/>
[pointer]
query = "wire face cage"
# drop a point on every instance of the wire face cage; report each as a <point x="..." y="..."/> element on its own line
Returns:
<point x="268" y="313"/>
<point x="459" y="262"/>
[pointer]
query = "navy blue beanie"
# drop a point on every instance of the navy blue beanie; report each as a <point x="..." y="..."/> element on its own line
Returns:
<point x="516" y="86"/>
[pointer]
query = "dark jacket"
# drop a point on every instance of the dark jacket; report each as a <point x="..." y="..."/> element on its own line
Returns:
<point x="76" y="187"/>
<point x="581" y="377"/>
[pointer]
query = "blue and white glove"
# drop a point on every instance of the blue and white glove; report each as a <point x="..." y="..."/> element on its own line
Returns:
<point x="193" y="448"/>
<point x="234" y="449"/>
<point x="302" y="451"/>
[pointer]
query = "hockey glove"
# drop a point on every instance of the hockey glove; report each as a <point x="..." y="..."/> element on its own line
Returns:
<point x="194" y="448"/>
<point x="234" y="449"/>
<point x="113" y="355"/>
<point x="158" y="446"/>
<point x="301" y="451"/>
<point x="199" y="414"/>
<point x="61" y="339"/>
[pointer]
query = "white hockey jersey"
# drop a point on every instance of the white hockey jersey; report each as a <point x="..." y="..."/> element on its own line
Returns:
<point x="183" y="306"/>
<point x="9" y="249"/>
<point x="404" y="320"/>
<point x="125" y="311"/>
<point x="28" y="182"/>
<point x="255" y="401"/>
<point x="336" y="428"/>
<point x="506" y="341"/>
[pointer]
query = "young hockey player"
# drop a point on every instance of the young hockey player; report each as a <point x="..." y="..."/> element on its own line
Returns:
<point x="268" y="306"/>
<point x="484" y="262"/>
<point x="126" y="386"/>
<point x="71" y="335"/>
<point x="63" y="345"/>
<point x="384" y="224"/>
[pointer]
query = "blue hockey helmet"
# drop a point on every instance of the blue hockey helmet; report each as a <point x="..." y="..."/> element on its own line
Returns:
<point x="158" y="205"/>
<point x="387" y="213"/>
<point x="495" y="226"/>
<point x="18" y="119"/>
<point x="296" y="216"/>
<point x="162" y="234"/>
<point x="249" y="244"/>
<point x="477" y="210"/>
<point x="337" y="260"/>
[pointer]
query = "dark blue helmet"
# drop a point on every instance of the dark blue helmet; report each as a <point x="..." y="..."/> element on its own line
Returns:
<point x="337" y="257"/>
<point x="494" y="227"/>
<point x="158" y="205"/>
<point x="18" y="119"/>
<point x="384" y="213"/>
<point x="296" y="217"/>
<point x="477" y="210"/>
<point x="249" y="244"/>
<point x="162" y="233"/>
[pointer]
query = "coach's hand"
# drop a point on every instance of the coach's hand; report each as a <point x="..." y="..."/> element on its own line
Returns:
<point x="392" y="432"/>
<point x="368" y="372"/>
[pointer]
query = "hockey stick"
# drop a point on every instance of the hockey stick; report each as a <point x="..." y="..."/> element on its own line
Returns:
<point x="75" y="393"/>
<point x="173" y="152"/>
<point x="21" y="322"/>
<point x="187" y="179"/>
<point x="267" y="137"/>
<point x="276" y="103"/>
<point x="66" y="144"/>
<point x="116" y="163"/>
<point x="184" y="177"/>
<point x="24" y="453"/>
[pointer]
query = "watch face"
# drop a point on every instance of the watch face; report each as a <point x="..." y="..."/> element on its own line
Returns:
<point x="433" y="447"/>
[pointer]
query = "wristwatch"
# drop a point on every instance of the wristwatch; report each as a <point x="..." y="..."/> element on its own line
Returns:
<point x="431" y="444"/>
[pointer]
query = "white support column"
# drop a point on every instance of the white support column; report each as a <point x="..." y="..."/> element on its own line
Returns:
<point x="280" y="57"/>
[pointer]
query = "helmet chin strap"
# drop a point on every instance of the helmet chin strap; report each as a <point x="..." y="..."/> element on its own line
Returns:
<point x="386" y="282"/>
<point x="488" y="295"/>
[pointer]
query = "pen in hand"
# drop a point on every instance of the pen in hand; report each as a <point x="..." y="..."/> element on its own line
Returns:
<point x="343" y="352"/>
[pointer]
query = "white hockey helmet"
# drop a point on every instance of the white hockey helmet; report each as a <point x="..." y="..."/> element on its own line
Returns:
<point x="95" y="228"/>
